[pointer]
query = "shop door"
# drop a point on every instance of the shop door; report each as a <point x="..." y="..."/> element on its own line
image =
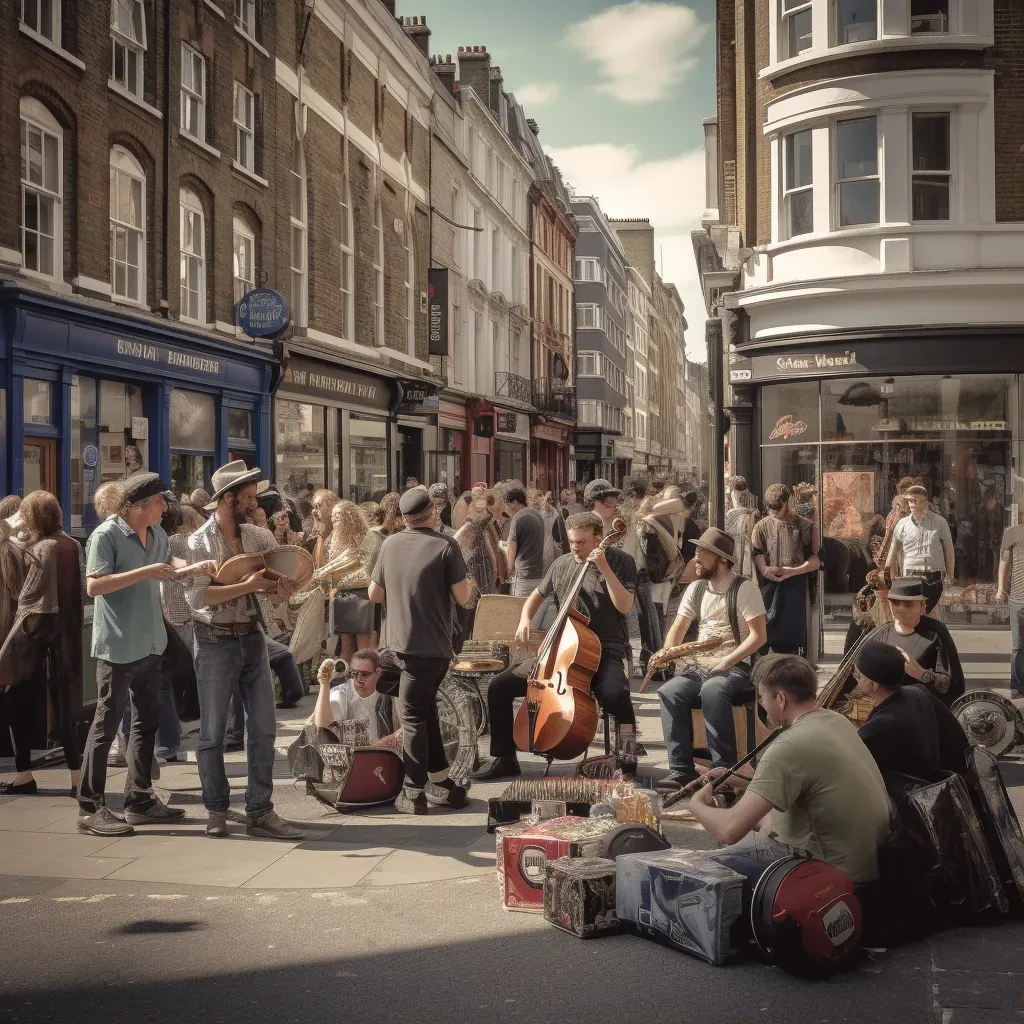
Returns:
<point x="40" y="474"/>
<point x="443" y="468"/>
<point x="410" y="456"/>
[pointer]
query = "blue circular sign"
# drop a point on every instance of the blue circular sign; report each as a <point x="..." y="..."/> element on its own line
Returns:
<point x="262" y="313"/>
<point x="90" y="455"/>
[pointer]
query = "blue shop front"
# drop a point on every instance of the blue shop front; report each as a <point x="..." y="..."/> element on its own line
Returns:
<point x="92" y="393"/>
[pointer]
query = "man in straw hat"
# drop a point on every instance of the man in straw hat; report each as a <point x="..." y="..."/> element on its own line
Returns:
<point x="231" y="653"/>
<point x="128" y="557"/>
<point x="725" y="605"/>
<point x="417" y="574"/>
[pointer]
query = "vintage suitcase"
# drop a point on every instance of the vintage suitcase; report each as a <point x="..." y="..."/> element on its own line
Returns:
<point x="525" y="855"/>
<point x="499" y="834"/>
<point x="579" y="896"/>
<point x="681" y="899"/>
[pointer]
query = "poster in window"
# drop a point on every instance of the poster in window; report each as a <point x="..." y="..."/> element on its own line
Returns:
<point x="848" y="503"/>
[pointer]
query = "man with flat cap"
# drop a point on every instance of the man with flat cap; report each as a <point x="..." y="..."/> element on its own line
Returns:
<point x="909" y="731"/>
<point x="128" y="557"/>
<point x="418" y="573"/>
<point x="928" y="649"/>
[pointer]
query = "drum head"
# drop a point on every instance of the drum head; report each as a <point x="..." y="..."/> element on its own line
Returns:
<point x="989" y="720"/>
<point x="291" y="561"/>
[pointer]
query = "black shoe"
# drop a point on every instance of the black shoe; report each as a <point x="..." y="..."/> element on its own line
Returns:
<point x="405" y="803"/>
<point x="104" y="823"/>
<point x="447" y="794"/>
<point x="499" y="768"/>
<point x="154" y="813"/>
<point x="231" y="748"/>
<point x="14" y="789"/>
<point x="74" y="792"/>
<point x="675" y="781"/>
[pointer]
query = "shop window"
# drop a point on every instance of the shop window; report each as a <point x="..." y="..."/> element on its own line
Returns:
<point x="192" y="248"/>
<point x="298" y="246"/>
<point x="932" y="178"/>
<point x="857" y="184"/>
<point x="301" y="451"/>
<point x="193" y="92"/>
<point x="245" y="134"/>
<point x="43" y="17"/>
<point x="347" y="262"/>
<point x="855" y="21"/>
<point x="240" y="424"/>
<point x="127" y="226"/>
<point x="121" y="452"/>
<point x="84" y="450"/>
<point x="38" y="402"/>
<point x="795" y="36"/>
<point x="929" y="16"/>
<point x="798" y="184"/>
<point x="128" y="44"/>
<point x="243" y="258"/>
<point x="789" y="413"/>
<point x="193" y="420"/>
<point x="42" y="210"/>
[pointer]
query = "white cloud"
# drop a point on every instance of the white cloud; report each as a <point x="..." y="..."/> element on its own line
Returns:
<point x="643" y="48"/>
<point x="536" y="93"/>
<point x="669" y="192"/>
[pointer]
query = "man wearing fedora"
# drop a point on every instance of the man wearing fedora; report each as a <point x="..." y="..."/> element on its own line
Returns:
<point x="128" y="558"/>
<point x="231" y="653"/>
<point x="725" y="605"/>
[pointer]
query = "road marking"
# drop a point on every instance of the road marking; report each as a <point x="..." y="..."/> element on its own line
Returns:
<point x="15" y="899"/>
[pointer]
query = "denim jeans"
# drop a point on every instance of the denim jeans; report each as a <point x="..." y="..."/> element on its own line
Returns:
<point x="142" y="679"/>
<point x="282" y="664"/>
<point x="224" y="665"/>
<point x="650" y="620"/>
<point x="1016" y="652"/>
<point x="717" y="696"/>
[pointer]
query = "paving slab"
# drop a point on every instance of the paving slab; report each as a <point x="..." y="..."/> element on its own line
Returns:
<point x="57" y="866"/>
<point x="320" y="866"/>
<point x="58" y="844"/>
<point x="434" y="865"/>
<point x="26" y="815"/>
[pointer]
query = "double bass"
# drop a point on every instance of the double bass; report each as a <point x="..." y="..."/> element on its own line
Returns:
<point x="559" y="715"/>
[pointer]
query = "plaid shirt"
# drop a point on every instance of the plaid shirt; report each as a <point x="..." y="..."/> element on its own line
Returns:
<point x="172" y="593"/>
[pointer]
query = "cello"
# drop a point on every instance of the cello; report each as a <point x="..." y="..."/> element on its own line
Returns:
<point x="559" y="715"/>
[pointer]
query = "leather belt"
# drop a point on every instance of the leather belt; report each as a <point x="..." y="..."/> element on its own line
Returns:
<point x="217" y="630"/>
<point x="925" y="574"/>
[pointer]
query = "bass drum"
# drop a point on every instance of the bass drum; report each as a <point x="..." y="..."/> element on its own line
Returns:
<point x="990" y="721"/>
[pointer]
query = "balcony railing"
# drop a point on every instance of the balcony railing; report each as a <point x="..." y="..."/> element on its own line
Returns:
<point x="555" y="397"/>
<point x="511" y="385"/>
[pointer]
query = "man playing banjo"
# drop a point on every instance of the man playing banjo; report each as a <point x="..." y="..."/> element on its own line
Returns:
<point x="728" y="607"/>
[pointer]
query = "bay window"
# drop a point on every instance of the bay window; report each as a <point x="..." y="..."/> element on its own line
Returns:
<point x="795" y="34"/>
<point x="928" y="16"/>
<point x="798" y="184"/>
<point x="932" y="176"/>
<point x="858" y="188"/>
<point x="855" y="21"/>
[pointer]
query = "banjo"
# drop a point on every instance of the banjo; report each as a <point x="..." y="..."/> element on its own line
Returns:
<point x="288" y="561"/>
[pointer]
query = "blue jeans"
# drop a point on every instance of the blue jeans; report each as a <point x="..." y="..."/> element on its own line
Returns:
<point x="282" y="664"/>
<point x="224" y="665"/>
<point x="717" y="696"/>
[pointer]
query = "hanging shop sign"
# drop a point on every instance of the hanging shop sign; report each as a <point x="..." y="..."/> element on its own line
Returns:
<point x="437" y="310"/>
<point x="262" y="313"/>
<point x="511" y="425"/>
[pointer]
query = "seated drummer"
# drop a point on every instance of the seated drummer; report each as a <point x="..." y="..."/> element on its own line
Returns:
<point x="816" y="789"/>
<point x="355" y="698"/>
<point x="726" y="680"/>
<point x="931" y="655"/>
<point x="909" y="731"/>
<point x="606" y="596"/>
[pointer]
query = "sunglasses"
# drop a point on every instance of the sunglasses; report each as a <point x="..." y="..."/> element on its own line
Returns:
<point x="363" y="673"/>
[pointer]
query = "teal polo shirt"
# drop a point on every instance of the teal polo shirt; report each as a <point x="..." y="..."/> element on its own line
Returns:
<point x="128" y="624"/>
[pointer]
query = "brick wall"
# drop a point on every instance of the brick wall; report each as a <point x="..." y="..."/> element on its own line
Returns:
<point x="731" y="122"/>
<point x="1007" y="58"/>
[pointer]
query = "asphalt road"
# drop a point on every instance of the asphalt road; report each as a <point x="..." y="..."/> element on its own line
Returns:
<point x="110" y="952"/>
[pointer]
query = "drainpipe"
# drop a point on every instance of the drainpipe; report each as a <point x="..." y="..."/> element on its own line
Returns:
<point x="165" y="305"/>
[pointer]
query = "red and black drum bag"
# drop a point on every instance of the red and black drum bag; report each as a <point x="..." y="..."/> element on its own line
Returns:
<point x="805" y="916"/>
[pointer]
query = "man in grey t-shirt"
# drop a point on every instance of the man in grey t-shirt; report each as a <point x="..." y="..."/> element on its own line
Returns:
<point x="525" y="548"/>
<point x="417" y="574"/>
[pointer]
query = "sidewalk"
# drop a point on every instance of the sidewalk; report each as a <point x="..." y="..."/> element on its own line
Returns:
<point x="38" y="836"/>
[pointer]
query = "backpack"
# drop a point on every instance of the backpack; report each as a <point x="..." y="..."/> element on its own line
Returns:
<point x="656" y="539"/>
<point x="738" y="524"/>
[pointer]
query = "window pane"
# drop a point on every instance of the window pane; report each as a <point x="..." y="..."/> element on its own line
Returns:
<point x="798" y="33"/>
<point x="929" y="16"/>
<point x="798" y="160"/>
<point x="931" y="198"/>
<point x="301" y="448"/>
<point x="240" y="423"/>
<point x="931" y="142"/>
<point x="858" y="203"/>
<point x="38" y="401"/>
<point x="800" y="208"/>
<point x="856" y="20"/>
<point x="857" y="148"/>
<point x="193" y="420"/>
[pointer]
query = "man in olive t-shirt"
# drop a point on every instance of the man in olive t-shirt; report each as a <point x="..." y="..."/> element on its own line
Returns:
<point x="816" y="789"/>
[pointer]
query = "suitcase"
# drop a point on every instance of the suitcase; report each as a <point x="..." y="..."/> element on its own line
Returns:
<point x="579" y="896"/>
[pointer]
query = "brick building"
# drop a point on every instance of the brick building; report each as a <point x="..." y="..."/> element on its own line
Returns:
<point x="861" y="258"/>
<point x="136" y="224"/>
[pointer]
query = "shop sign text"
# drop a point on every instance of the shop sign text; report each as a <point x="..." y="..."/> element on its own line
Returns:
<point x="786" y="427"/>
<point x="817" y="361"/>
<point x="339" y="385"/>
<point x="262" y="313"/>
<point x="171" y="357"/>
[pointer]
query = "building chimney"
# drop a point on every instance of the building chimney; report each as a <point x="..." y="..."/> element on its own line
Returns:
<point x="390" y="5"/>
<point x="416" y="29"/>
<point x="445" y="69"/>
<point x="475" y="71"/>
<point x="496" y="98"/>
<point x="533" y="126"/>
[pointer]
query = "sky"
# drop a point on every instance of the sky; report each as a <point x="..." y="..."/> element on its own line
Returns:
<point x="619" y="91"/>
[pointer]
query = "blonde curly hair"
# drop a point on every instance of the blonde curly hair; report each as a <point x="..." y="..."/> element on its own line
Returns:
<point x="349" y="527"/>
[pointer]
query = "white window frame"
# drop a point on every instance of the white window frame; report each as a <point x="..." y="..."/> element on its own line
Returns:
<point x="948" y="174"/>
<point x="192" y="256"/>
<point x="834" y="25"/>
<point x="243" y="257"/>
<point x="245" y="126"/>
<point x="930" y="31"/>
<point x="641" y="382"/>
<point x="347" y="261"/>
<point x="589" y="311"/>
<point x="785" y="17"/>
<point x="190" y="94"/>
<point x="36" y="118"/>
<point x="129" y="38"/>
<point x="245" y="17"/>
<point x="299" y="237"/>
<point x="588" y="363"/>
<point x="788" y="192"/>
<point x="838" y="181"/>
<point x="124" y="171"/>
<point x="585" y="264"/>
<point x="32" y="18"/>
<point x="378" y="274"/>
<point x="410" y="292"/>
